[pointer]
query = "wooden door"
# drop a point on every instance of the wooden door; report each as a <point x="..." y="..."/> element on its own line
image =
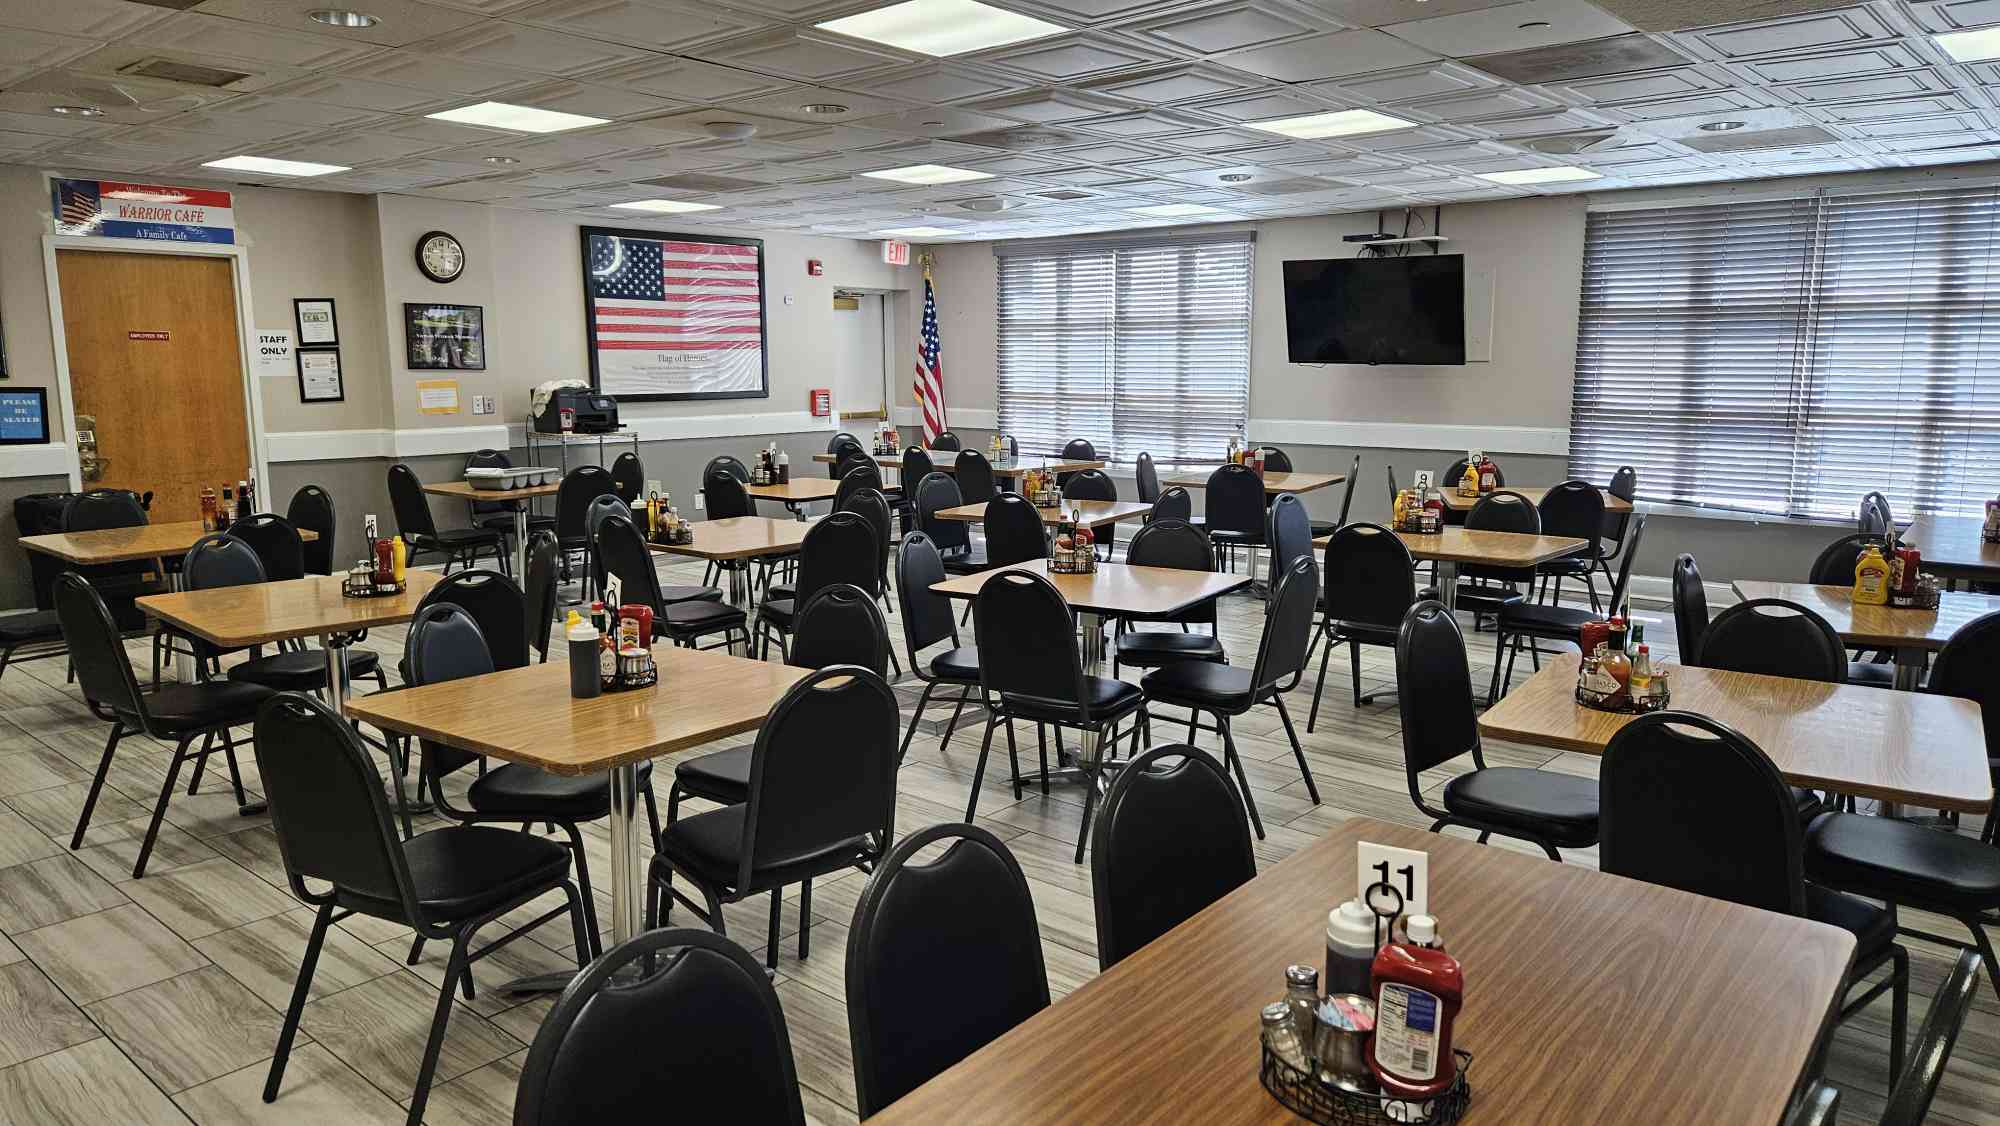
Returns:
<point x="155" y="355"/>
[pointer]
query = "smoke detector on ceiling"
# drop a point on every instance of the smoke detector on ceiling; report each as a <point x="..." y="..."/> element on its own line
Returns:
<point x="730" y="130"/>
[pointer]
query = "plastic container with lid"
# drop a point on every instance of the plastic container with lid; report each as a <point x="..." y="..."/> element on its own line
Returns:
<point x="1418" y="989"/>
<point x="1350" y="949"/>
<point x="583" y="646"/>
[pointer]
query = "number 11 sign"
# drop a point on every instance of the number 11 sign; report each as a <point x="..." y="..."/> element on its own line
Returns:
<point x="1405" y="869"/>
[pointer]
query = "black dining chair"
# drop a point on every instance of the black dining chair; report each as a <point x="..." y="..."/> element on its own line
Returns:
<point x="498" y="515"/>
<point x="1225" y="691"/>
<point x="853" y="459"/>
<point x="540" y="591"/>
<point x="420" y="531"/>
<point x="927" y="621"/>
<point x="1176" y="503"/>
<point x="916" y="466"/>
<point x="1014" y="531"/>
<point x="862" y="475"/>
<point x="496" y="605"/>
<point x="221" y="560"/>
<point x="1147" y="478"/>
<point x="1171" y="839"/>
<point x="872" y="506"/>
<point x="276" y="543"/>
<point x="1234" y="512"/>
<point x="952" y="538"/>
<point x="117" y="583"/>
<point x="919" y="924"/>
<point x="1835" y="567"/>
<point x="1168" y="543"/>
<point x="843" y="548"/>
<point x="727" y="498"/>
<point x="1690" y="609"/>
<point x="1690" y="803"/>
<point x="1573" y="509"/>
<point x="600" y="508"/>
<point x="1030" y="669"/>
<point x="619" y="1037"/>
<point x="1538" y="621"/>
<point x="1434" y="699"/>
<point x="946" y="440"/>
<point x="1095" y="484"/>
<point x="579" y="487"/>
<point x="176" y="713"/>
<point x="974" y="475"/>
<point x="1611" y="538"/>
<point x="624" y="554"/>
<point x="1079" y="449"/>
<point x="311" y="510"/>
<point x="1483" y="588"/>
<point x="1875" y="516"/>
<point x="726" y="463"/>
<point x="1288" y="534"/>
<point x="1773" y="637"/>
<point x="332" y="825"/>
<point x="1275" y="459"/>
<point x="842" y="446"/>
<point x="1964" y="668"/>
<point x="813" y="808"/>
<point x="1370" y="584"/>
<point x="628" y="476"/>
<point x="1910" y="1099"/>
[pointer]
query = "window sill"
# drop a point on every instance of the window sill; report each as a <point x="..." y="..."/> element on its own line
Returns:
<point x="1690" y="512"/>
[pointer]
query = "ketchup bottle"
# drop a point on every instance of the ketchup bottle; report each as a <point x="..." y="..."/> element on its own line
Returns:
<point x="1418" y="988"/>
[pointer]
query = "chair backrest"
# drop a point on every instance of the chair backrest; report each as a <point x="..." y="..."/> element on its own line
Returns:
<point x="540" y="593"/>
<point x="926" y="614"/>
<point x="1775" y="638"/>
<point x="1080" y="448"/>
<point x="276" y="543"/>
<point x="1689" y="803"/>
<point x="1455" y="472"/>
<point x="852" y="459"/>
<point x="1370" y="577"/>
<point x="579" y="487"/>
<point x="861" y="475"/>
<point x="1013" y="531"/>
<point x="1574" y="509"/>
<point x="841" y="625"/>
<point x="406" y="500"/>
<point x="1287" y="532"/>
<point x="916" y="464"/>
<point x="1634" y="532"/>
<point x="1390" y="470"/>
<point x="874" y="507"/>
<point x="1876" y="515"/>
<point x="219" y="559"/>
<point x="489" y="459"/>
<point x="841" y="441"/>
<point x="1288" y="624"/>
<point x="327" y="805"/>
<point x="620" y="1038"/>
<point x="920" y="924"/>
<point x="103" y="508"/>
<point x="935" y="493"/>
<point x="1910" y="1099"/>
<point x="445" y="643"/>
<point x="628" y="476"/>
<point x="1690" y="608"/>
<point x="96" y="651"/>
<point x="809" y="794"/>
<point x="843" y="548"/>
<point x="1091" y="484"/>
<point x="1027" y="641"/>
<point x="946" y="440"/>
<point x="1835" y="564"/>
<point x="724" y="495"/>
<point x="1964" y="668"/>
<point x="496" y="604"/>
<point x="312" y="510"/>
<point x="974" y="475"/>
<point x="726" y="463"/>
<point x="1502" y="511"/>
<point x="1434" y="697"/>
<point x="1171" y="838"/>
<point x="1235" y="500"/>
<point x="599" y="510"/>
<point x="1148" y="477"/>
<point x="1275" y="459"/>
<point x="1347" y="498"/>
<point x="1624" y="485"/>
<point x="1174" y="504"/>
<point x="621" y="550"/>
<point x="1171" y="543"/>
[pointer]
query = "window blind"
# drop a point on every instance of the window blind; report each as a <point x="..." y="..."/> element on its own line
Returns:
<point x="1784" y="357"/>
<point x="1139" y="346"/>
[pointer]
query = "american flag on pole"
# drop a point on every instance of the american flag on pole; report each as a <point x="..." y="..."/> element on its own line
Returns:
<point x="672" y="317"/>
<point x="929" y="389"/>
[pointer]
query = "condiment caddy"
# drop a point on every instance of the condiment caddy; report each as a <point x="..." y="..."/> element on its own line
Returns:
<point x="664" y="524"/>
<point x="1419" y="512"/>
<point x="384" y="573"/>
<point x="1075" y="550"/>
<point x="1617" y="672"/>
<point x="1039" y="486"/>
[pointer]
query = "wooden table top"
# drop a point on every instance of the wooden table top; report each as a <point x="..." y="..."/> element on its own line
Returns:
<point x="527" y="714"/>
<point x="1587" y="996"/>
<point x="1115" y="588"/>
<point x="740" y="537"/>
<point x="1501" y="549"/>
<point x="259" y="613"/>
<point x="1952" y="544"/>
<point x="946" y="461"/>
<point x="796" y="490"/>
<point x="1887" y="626"/>
<point x="1896" y="746"/>
<point x="1534" y="493"/>
<point x="1274" y="482"/>
<point x="1094" y="513"/>
<point x="463" y="490"/>
<point x="123" y="545"/>
<point x="886" y="461"/>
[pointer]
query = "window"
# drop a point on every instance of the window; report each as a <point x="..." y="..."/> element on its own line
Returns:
<point x="1786" y="356"/>
<point x="1136" y="346"/>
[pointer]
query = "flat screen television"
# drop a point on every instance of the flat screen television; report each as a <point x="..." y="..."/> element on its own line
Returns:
<point x="1401" y="310"/>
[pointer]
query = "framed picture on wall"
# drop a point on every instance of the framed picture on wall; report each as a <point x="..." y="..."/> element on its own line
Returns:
<point x="316" y="323"/>
<point x="319" y="375"/>
<point x="673" y="316"/>
<point x="445" y="337"/>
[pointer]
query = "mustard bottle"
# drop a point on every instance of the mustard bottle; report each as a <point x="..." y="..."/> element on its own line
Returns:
<point x="1468" y="482"/>
<point x="399" y="559"/>
<point x="1871" y="578"/>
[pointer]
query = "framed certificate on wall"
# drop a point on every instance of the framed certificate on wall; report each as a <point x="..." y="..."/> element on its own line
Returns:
<point x="674" y="316"/>
<point x="319" y="375"/>
<point x="316" y="323"/>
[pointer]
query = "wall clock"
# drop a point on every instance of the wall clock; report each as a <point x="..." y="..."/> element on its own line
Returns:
<point x="440" y="256"/>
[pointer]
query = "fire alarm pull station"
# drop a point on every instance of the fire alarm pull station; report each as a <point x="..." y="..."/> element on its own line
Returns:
<point x="822" y="402"/>
<point x="813" y="268"/>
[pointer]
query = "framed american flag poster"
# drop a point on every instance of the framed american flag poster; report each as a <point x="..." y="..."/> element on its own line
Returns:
<point x="673" y="316"/>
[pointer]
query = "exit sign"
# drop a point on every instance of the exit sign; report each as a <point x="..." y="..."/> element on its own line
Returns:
<point x="895" y="253"/>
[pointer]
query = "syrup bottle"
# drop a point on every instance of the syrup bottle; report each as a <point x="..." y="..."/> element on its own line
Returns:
<point x="1489" y="474"/>
<point x="1418" y="990"/>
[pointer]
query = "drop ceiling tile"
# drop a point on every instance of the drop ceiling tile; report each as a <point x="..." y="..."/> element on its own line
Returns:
<point x="1903" y="127"/>
<point x="936" y="121"/>
<point x="1335" y="54"/>
<point x="1708" y="102"/>
<point x="1408" y="84"/>
<point x="1956" y="15"/>
<point x="1262" y="107"/>
<point x="1479" y="104"/>
<point x="1283" y="152"/>
<point x="84" y="19"/>
<point x="1454" y="152"/>
<point x="938" y="84"/>
<point x="590" y="100"/>
<point x="1900" y="83"/>
<point x="1050" y="107"/>
<point x="1564" y="121"/>
<point x="1621" y="88"/>
<point x="641" y="23"/>
<point x="1087" y="177"/>
<point x="802" y="56"/>
<point x="1928" y="141"/>
<point x="1805" y="32"/>
<point x="402" y="21"/>
<point x="1875" y="58"/>
<point x="469" y="191"/>
<point x="1226" y="27"/>
<point x="1945" y="156"/>
<point x="1017" y="164"/>
<point x="1512" y="27"/>
<point x="688" y="80"/>
<point x="259" y="112"/>
<point x="234" y="39"/>
<point x="1143" y="125"/>
<point x="426" y="71"/>
<point x="355" y="93"/>
<point x="442" y="134"/>
<point x="791" y="102"/>
<point x="1340" y="167"/>
<point x="1222" y="140"/>
<point x="1170" y="165"/>
<point x="1884" y="108"/>
<point x="532" y="49"/>
<point x="1068" y="58"/>
<point x="1180" y="84"/>
<point x="40" y="48"/>
<point x="26" y="142"/>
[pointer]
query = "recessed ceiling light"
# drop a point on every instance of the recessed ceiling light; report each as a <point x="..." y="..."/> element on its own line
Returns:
<point x="929" y="174"/>
<point x="1337" y="123"/>
<point x="916" y="232"/>
<point x="825" y="109"/>
<point x="1971" y="46"/>
<point x="942" y="27"/>
<point x="1175" y="210"/>
<point x="1719" y="126"/>
<point x="1234" y="177"/>
<point x="273" y="166"/>
<point x="665" y="206"/>
<point x="729" y="130"/>
<point x="342" y="17"/>
<point x="501" y="159"/>
<point x="1559" y="174"/>
<point x="77" y="111"/>
<point x="520" y="119"/>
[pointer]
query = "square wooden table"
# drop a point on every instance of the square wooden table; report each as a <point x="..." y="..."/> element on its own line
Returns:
<point x="735" y="538"/>
<point x="1092" y="513"/>
<point x="527" y="715"/>
<point x="125" y="545"/>
<point x="1909" y="632"/>
<point x="946" y="461"/>
<point x="1533" y="493"/>
<point x="1892" y="746"/>
<point x="795" y="493"/>
<point x="1590" y="999"/>
<point x="516" y="498"/>
<point x="1453" y="545"/>
<point x="1274" y="481"/>
<point x="1953" y="547"/>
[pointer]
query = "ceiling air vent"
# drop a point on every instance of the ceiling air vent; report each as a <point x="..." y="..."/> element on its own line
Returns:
<point x="1566" y="62"/>
<point x="1569" y="144"/>
<point x="1065" y="195"/>
<point x="1759" y="139"/>
<point x="703" y="182"/>
<point x="192" y="74"/>
<point x="1028" y="137"/>
<point x="1284" y="187"/>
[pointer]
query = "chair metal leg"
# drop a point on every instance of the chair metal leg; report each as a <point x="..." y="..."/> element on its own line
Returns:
<point x="1298" y="752"/>
<point x="453" y="968"/>
<point x="201" y="761"/>
<point x="1354" y="667"/>
<point x="1319" y="686"/>
<point x="160" y="810"/>
<point x="583" y="884"/>
<point x="1229" y="753"/>
<point x="979" y="771"/>
<point x="929" y="687"/>
<point x="235" y="771"/>
<point x="1090" y="771"/>
<point x="97" y="786"/>
<point x="1042" y="750"/>
<point x="805" y="916"/>
<point x="952" y="725"/>
<point x="1014" y="759"/>
<point x="771" y="942"/>
<point x="579" y="938"/>
<point x="300" y="989"/>
<point x="1499" y="650"/>
<point x="1899" y="1010"/>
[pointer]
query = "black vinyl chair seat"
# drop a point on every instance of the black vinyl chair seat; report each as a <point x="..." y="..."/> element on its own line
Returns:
<point x="1528" y="617"/>
<point x="721" y="777"/>
<point x="703" y="615"/>
<point x="958" y="665"/>
<point x="531" y="792"/>
<point x="302" y="670"/>
<point x="1200" y="684"/>
<point x="689" y="593"/>
<point x="708" y="845"/>
<point x="36" y="625"/>
<point x="464" y="871"/>
<point x="179" y="708"/>
<point x="1871" y="674"/>
<point x="1153" y="648"/>
<point x="1560" y="807"/>
<point x="1104" y="696"/>
<point x="966" y="562"/>
<point x="1873" y="928"/>
<point x="1886" y="859"/>
<point x="781" y="611"/>
<point x="456" y="537"/>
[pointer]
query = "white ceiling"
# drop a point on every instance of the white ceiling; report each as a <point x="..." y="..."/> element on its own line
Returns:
<point x="1143" y="103"/>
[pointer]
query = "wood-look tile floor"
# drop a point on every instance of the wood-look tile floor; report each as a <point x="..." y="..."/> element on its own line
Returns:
<point x="158" y="1000"/>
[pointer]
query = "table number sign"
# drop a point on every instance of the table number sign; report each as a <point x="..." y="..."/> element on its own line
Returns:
<point x="1405" y="869"/>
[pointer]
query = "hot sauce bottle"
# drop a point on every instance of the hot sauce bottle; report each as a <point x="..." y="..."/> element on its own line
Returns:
<point x="1418" y="989"/>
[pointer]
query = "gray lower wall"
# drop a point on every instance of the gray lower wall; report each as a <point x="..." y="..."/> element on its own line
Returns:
<point x="16" y="589"/>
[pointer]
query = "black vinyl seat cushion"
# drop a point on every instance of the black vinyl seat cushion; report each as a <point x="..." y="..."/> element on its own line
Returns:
<point x="721" y="777"/>
<point x="780" y="612"/>
<point x="1873" y="928"/>
<point x="959" y="665"/>
<point x="36" y="625"/>
<point x="1158" y="647"/>
<point x="702" y="617"/>
<point x="1527" y="617"/>
<point x="180" y="708"/>
<point x="1198" y="684"/>
<point x="787" y="592"/>
<point x="301" y="670"/>
<point x="518" y="788"/>
<point x="463" y="871"/>
<point x="1883" y="858"/>
<point x="456" y="538"/>
<point x="1869" y="674"/>
<point x="1239" y="539"/>
<point x="1541" y="803"/>
<point x="706" y="846"/>
<point x="1105" y="697"/>
<point x="689" y="593"/>
<point x="967" y="562"/>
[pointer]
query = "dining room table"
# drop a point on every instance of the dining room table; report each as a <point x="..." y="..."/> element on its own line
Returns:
<point x="1275" y="481"/>
<point x="1456" y="501"/>
<point x="1088" y="513"/>
<point x="795" y="494"/>
<point x="1453" y="545"/>
<point x="1954" y="548"/>
<point x="1909" y="633"/>
<point x="516" y="500"/>
<point x="1589" y="999"/>
<point x="734" y="539"/>
<point x="946" y="461"/>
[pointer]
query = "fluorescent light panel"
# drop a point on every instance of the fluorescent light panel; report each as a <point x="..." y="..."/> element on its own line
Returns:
<point x="942" y="27"/>
<point x="1561" y="174"/>
<point x="1971" y="46"/>
<point x="1175" y="210"/>
<point x="665" y="206"/>
<point x="917" y="232"/>
<point x="519" y="119"/>
<point x="929" y="174"/>
<point x="1335" y="123"/>
<point x="273" y="167"/>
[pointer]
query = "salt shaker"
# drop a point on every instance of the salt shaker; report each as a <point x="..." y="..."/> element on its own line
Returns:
<point x="1282" y="1038"/>
<point x="1302" y="994"/>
